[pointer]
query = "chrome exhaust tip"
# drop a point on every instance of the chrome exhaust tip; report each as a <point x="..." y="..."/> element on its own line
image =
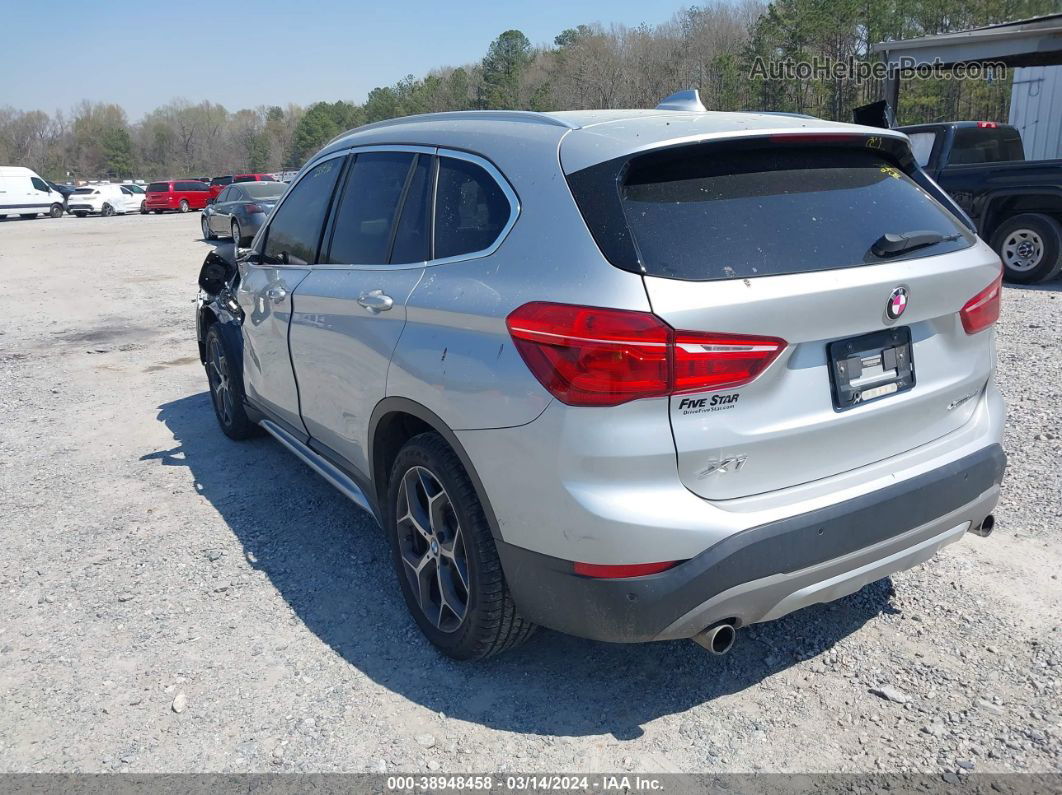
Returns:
<point x="984" y="529"/>
<point x="718" y="639"/>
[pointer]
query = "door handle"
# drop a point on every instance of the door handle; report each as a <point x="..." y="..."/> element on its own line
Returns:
<point x="276" y="293"/>
<point x="376" y="301"/>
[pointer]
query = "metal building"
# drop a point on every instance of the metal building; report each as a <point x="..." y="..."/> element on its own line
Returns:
<point x="1036" y="110"/>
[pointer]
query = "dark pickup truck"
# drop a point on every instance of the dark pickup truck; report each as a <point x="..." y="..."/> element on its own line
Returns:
<point x="1015" y="203"/>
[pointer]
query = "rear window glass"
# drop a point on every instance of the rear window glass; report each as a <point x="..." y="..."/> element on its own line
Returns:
<point x="974" y="145"/>
<point x="84" y="191"/>
<point x="158" y="187"/>
<point x="767" y="212"/>
<point x="221" y="181"/>
<point x="264" y="190"/>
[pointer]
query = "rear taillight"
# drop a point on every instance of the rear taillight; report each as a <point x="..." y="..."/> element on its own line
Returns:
<point x="589" y="356"/>
<point x="252" y="208"/>
<point x="608" y="571"/>
<point x="982" y="310"/>
<point x="987" y="125"/>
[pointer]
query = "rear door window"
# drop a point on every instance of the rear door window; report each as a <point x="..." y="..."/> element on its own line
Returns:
<point x="368" y="206"/>
<point x="762" y="212"/>
<point x="471" y="210"/>
<point x="413" y="237"/>
<point x="295" y="232"/>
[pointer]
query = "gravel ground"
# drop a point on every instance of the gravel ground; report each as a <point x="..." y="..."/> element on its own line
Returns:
<point x="174" y="601"/>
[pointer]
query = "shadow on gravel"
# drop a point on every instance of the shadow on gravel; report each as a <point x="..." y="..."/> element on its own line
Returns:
<point x="331" y="563"/>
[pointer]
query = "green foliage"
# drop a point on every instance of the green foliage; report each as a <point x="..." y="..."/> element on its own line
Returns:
<point x="507" y="57"/>
<point x="322" y="122"/>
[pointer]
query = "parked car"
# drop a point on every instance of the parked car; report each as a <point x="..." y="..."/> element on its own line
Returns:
<point x="141" y="193"/>
<point x="218" y="184"/>
<point x="24" y="193"/>
<point x="1016" y="204"/>
<point x="181" y="195"/>
<point x="631" y="375"/>
<point x="240" y="210"/>
<point x="107" y="200"/>
<point x="253" y="178"/>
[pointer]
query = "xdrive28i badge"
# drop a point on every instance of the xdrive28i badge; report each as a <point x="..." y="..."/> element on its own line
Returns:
<point x="897" y="303"/>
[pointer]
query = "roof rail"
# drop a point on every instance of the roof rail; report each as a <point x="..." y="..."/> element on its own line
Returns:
<point x="525" y="116"/>
<point x="690" y="99"/>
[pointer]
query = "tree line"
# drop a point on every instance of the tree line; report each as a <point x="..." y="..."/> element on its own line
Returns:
<point x="711" y="47"/>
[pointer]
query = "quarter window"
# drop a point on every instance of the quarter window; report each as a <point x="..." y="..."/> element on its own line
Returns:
<point x="470" y="209"/>
<point x="367" y="208"/>
<point x="295" y="232"/>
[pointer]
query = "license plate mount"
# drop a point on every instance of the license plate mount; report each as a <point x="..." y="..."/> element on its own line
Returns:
<point x="870" y="367"/>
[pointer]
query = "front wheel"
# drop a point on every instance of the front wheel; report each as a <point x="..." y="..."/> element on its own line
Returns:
<point x="444" y="555"/>
<point x="81" y="214"/>
<point x="55" y="211"/>
<point x="237" y="234"/>
<point x="1030" y="246"/>
<point x="183" y="206"/>
<point x="143" y="208"/>
<point x="226" y="386"/>
<point x="208" y="233"/>
<point x="107" y="211"/>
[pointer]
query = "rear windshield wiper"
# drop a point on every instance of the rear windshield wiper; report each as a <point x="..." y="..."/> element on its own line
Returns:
<point x="890" y="244"/>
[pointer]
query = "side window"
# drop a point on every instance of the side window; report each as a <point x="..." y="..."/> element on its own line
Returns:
<point x="470" y="209"/>
<point x="224" y="196"/>
<point x="39" y="184"/>
<point x="367" y="207"/>
<point x="413" y="237"/>
<point x="295" y="231"/>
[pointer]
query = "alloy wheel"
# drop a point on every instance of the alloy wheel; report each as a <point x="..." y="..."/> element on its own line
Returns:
<point x="1022" y="250"/>
<point x="432" y="549"/>
<point x="237" y="234"/>
<point x="218" y="374"/>
<point x="206" y="228"/>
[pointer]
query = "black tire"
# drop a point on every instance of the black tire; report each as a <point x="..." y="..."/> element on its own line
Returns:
<point x="27" y="216"/>
<point x="157" y="212"/>
<point x="143" y="208"/>
<point x="107" y="211"/>
<point x="81" y="213"/>
<point x="1030" y="246"/>
<point x="236" y="234"/>
<point x="222" y="370"/>
<point x="208" y="233"/>
<point x="183" y="207"/>
<point x="489" y="623"/>
<point x="55" y="211"/>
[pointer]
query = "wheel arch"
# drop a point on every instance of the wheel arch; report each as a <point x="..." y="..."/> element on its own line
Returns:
<point x="1004" y="204"/>
<point x="396" y="420"/>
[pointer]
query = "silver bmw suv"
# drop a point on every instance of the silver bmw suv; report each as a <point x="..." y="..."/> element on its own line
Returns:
<point x="629" y="374"/>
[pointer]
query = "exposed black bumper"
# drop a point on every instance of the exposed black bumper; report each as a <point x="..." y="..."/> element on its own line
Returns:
<point x="640" y="609"/>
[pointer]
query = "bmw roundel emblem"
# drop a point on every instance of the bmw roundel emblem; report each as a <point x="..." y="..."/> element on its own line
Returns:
<point x="897" y="303"/>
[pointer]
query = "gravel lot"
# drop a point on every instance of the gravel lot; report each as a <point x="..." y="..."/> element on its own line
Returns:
<point x="174" y="601"/>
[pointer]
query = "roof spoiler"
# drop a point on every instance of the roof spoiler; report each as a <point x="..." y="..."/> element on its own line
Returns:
<point x="876" y="114"/>
<point x="690" y="99"/>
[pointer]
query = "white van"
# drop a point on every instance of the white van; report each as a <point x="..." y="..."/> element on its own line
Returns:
<point x="24" y="193"/>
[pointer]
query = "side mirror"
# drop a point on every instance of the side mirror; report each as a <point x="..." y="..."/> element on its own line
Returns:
<point x="215" y="273"/>
<point x="211" y="201"/>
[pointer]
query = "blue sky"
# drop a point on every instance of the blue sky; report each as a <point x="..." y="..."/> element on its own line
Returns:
<point x="242" y="54"/>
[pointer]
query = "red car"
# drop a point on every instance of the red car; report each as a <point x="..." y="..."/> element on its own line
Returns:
<point x="218" y="184"/>
<point x="181" y="195"/>
<point x="254" y="178"/>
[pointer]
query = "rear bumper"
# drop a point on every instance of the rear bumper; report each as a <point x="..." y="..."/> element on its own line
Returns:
<point x="769" y="570"/>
